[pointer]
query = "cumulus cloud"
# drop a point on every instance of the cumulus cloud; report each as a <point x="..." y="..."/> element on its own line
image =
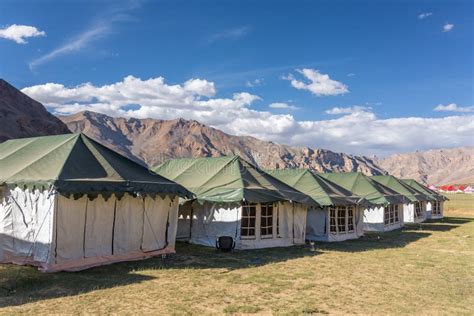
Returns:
<point x="282" y="105"/>
<point x="453" y="107"/>
<point x="424" y="15"/>
<point x="347" y="110"/>
<point x="357" y="130"/>
<point x="448" y="27"/>
<point x="18" y="33"/>
<point x="317" y="83"/>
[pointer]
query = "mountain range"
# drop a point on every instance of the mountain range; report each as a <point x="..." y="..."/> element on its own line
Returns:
<point x="438" y="166"/>
<point x="153" y="141"/>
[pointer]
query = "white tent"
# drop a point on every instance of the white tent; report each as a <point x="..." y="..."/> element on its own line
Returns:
<point x="415" y="212"/>
<point x="69" y="203"/>
<point x="251" y="225"/>
<point x="238" y="200"/>
<point x="54" y="232"/>
<point x="431" y="208"/>
<point x="335" y="223"/>
<point x="434" y="209"/>
<point x="384" y="218"/>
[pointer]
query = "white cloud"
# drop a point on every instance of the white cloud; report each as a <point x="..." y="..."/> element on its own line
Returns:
<point x="233" y="33"/>
<point x="254" y="83"/>
<point x="200" y="87"/>
<point x="101" y="28"/>
<point x="18" y="33"/>
<point x="425" y="15"/>
<point x="347" y="110"/>
<point x="357" y="130"/>
<point x="452" y="107"/>
<point x="448" y="27"/>
<point x="282" y="105"/>
<point x="319" y="84"/>
<point x="351" y="74"/>
<point x="76" y="44"/>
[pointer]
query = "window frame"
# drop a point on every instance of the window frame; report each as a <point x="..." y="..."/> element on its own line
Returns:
<point x="332" y="220"/>
<point x="248" y="227"/>
<point x="418" y="210"/>
<point x="392" y="210"/>
<point x="339" y="217"/>
<point x="350" y="209"/>
<point x="436" y="208"/>
<point x="267" y="216"/>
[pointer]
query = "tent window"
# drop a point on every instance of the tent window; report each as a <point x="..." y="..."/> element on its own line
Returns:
<point x="332" y="220"/>
<point x="417" y="209"/>
<point x="397" y="219"/>
<point x="436" y="208"/>
<point x="391" y="214"/>
<point x="350" y="219"/>
<point x="249" y="214"/>
<point x="266" y="221"/>
<point x="341" y="219"/>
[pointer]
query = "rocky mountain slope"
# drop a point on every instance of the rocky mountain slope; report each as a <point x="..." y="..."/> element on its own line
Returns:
<point x="440" y="166"/>
<point x="21" y="116"/>
<point x="154" y="141"/>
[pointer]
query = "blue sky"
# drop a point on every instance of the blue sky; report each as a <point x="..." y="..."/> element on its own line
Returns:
<point x="380" y="67"/>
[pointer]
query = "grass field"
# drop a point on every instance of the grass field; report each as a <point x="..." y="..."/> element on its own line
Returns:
<point x="426" y="268"/>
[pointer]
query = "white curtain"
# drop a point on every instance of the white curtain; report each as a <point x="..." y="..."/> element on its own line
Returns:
<point x="128" y="225"/>
<point x="70" y="221"/>
<point x="99" y="227"/>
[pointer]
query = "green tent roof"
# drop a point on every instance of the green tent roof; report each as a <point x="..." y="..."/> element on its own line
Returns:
<point x="229" y="179"/>
<point x="421" y="188"/>
<point x="401" y="187"/>
<point x="74" y="163"/>
<point x="365" y="187"/>
<point x="322" y="190"/>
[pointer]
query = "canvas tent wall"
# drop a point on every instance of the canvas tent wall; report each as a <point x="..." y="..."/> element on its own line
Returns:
<point x="434" y="207"/>
<point x="340" y="214"/>
<point x="236" y="199"/>
<point x="69" y="203"/>
<point x="385" y="202"/>
<point x="414" y="209"/>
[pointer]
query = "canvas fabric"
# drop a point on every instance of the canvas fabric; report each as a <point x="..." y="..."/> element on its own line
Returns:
<point x="322" y="190"/>
<point x="57" y="233"/>
<point x="374" y="219"/>
<point x="76" y="164"/>
<point x="317" y="226"/>
<point x="363" y="186"/>
<point x="229" y="179"/>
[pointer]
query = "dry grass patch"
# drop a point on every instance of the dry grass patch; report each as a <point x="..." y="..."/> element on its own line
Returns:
<point x="424" y="268"/>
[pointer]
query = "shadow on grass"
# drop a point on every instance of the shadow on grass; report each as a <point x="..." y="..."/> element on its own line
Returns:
<point x="20" y="285"/>
<point x="374" y="241"/>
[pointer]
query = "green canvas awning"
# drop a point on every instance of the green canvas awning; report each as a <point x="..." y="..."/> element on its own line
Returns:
<point x="365" y="187"/>
<point x="401" y="187"/>
<point x="322" y="190"/>
<point x="423" y="189"/>
<point x="229" y="179"/>
<point x="76" y="164"/>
